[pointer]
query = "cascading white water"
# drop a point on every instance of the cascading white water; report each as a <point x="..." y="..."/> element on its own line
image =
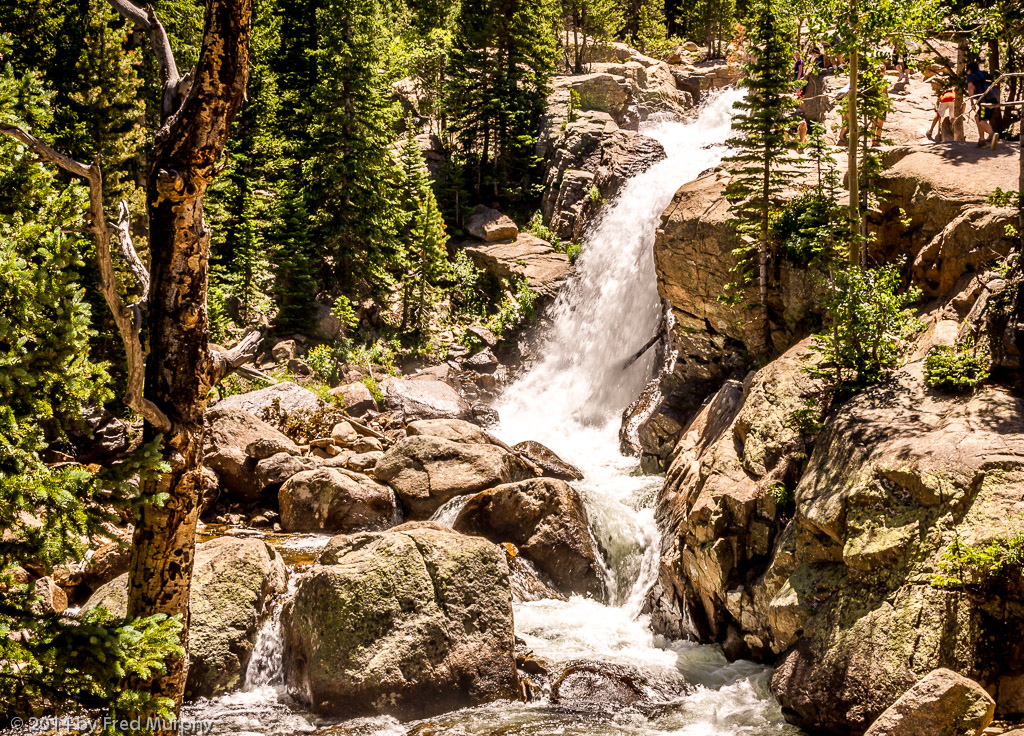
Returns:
<point x="572" y="401"/>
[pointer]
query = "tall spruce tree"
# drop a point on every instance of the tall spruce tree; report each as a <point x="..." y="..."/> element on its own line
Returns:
<point x="499" y="74"/>
<point x="424" y="237"/>
<point x="351" y="177"/>
<point x="761" y="146"/>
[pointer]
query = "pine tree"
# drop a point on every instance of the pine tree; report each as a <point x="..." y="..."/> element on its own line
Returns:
<point x="584" y="22"/>
<point x="761" y="145"/>
<point x="50" y="515"/>
<point x="424" y="237"/>
<point x="644" y="26"/>
<point x="351" y="178"/>
<point x="295" y="282"/>
<point x="500" y="69"/>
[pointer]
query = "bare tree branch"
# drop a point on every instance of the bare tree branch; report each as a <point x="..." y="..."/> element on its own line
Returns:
<point x="124" y="317"/>
<point x="44" y="151"/>
<point x="123" y="227"/>
<point x="224" y="362"/>
<point x="147" y="21"/>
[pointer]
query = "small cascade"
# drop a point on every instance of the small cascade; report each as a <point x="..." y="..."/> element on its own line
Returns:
<point x="450" y="510"/>
<point x="266" y="666"/>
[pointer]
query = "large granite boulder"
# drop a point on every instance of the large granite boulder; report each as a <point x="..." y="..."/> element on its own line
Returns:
<point x="547" y="520"/>
<point x="590" y="685"/>
<point x="233" y="584"/>
<point x="234" y="442"/>
<point x="942" y="703"/>
<point x="288" y="397"/>
<point x="336" y="500"/>
<point x="410" y="622"/>
<point x="428" y="471"/>
<point x="455" y="430"/>
<point x="425" y="398"/>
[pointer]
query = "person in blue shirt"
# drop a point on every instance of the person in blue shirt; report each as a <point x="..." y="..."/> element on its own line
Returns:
<point x="980" y="87"/>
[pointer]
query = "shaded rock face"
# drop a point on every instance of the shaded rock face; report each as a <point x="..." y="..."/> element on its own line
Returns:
<point x="233" y="584"/>
<point x="546" y="519"/>
<point x="427" y="471"/>
<point x="411" y="622"/>
<point x="590" y="685"/>
<point x="336" y="500"/>
<point x="234" y="443"/>
<point x="595" y="156"/>
<point x="840" y="583"/>
<point x="424" y="398"/>
<point x="720" y="523"/>
<point x="942" y="703"/>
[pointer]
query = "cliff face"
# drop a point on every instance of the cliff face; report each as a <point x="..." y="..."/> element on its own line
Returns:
<point x="814" y="543"/>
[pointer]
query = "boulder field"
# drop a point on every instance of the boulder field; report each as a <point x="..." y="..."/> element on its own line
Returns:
<point x="822" y="542"/>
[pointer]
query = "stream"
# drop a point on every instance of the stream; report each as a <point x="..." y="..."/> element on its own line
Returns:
<point x="572" y="401"/>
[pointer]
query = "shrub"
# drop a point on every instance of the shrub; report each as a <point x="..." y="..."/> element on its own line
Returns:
<point x="868" y="322"/>
<point x="323" y="361"/>
<point x="515" y="310"/>
<point x="573" y="250"/>
<point x="964" y="564"/>
<point x="956" y="369"/>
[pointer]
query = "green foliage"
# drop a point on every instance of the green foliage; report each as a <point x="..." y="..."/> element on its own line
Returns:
<point x="350" y="179"/>
<point x="710" y="22"/>
<point x="778" y="492"/>
<point x="867" y="324"/>
<point x="424" y="239"/>
<point x="957" y="368"/>
<point x="345" y="312"/>
<point x="582" y="24"/>
<point x="323" y="360"/>
<point x="573" y="250"/>
<point x="499" y="75"/>
<point x="514" y="310"/>
<point x="1000" y="198"/>
<point x="763" y="161"/>
<point x="465" y="293"/>
<point x="644" y="26"/>
<point x="807" y="419"/>
<point x="374" y="388"/>
<point x="998" y="559"/>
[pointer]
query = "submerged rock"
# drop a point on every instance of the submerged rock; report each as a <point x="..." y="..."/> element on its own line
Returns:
<point x="233" y="584"/>
<point x="592" y="685"/>
<point x="411" y="622"/>
<point x="942" y="703"/>
<point x="428" y="471"/>
<point x="546" y="519"/>
<point x="336" y="500"/>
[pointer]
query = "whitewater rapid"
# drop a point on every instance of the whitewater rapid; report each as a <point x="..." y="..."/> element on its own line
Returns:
<point x="572" y="400"/>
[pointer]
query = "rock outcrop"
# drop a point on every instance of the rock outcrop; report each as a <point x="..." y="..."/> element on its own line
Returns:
<point x="288" y="397"/>
<point x="528" y="258"/>
<point x="428" y="471"/>
<point x="838" y="568"/>
<point x="546" y="520"/>
<point x="424" y="398"/>
<point x="589" y="685"/>
<point x="233" y="584"/>
<point x="411" y="622"/>
<point x="234" y="443"/>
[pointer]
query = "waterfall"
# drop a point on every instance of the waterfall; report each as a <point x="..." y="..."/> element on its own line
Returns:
<point x="573" y="397"/>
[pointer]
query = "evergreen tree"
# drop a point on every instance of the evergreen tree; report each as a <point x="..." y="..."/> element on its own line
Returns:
<point x="501" y="66"/>
<point x="424" y="237"/>
<point x="295" y="283"/>
<point x="584" y="22"/>
<point x="644" y="25"/>
<point x="351" y="178"/>
<point x="761" y="145"/>
<point x="50" y="515"/>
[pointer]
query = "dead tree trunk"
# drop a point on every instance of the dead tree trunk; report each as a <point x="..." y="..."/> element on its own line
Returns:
<point x="170" y="386"/>
<point x="181" y="367"/>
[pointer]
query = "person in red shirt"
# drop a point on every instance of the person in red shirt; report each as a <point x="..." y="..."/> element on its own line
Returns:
<point x="943" y="109"/>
